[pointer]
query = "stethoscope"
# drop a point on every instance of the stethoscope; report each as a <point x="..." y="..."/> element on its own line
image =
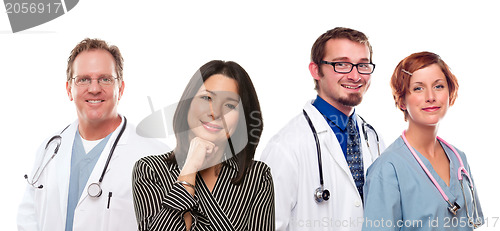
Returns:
<point x="461" y="170"/>
<point x="94" y="189"/>
<point x="321" y="194"/>
<point x="39" y="170"/>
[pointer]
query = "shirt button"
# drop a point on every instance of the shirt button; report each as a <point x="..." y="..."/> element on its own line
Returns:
<point x="357" y="203"/>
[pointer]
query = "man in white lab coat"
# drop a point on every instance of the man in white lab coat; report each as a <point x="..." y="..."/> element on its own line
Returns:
<point x="341" y="66"/>
<point x="87" y="184"/>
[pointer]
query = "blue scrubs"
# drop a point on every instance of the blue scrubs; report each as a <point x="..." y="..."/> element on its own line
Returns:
<point x="400" y="196"/>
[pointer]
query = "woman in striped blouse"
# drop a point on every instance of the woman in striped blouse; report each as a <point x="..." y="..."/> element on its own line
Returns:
<point x="210" y="180"/>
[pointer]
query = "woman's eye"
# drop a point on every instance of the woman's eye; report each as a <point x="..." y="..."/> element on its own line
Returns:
<point x="231" y="106"/>
<point x="417" y="88"/>
<point x="440" y="86"/>
<point x="206" y="97"/>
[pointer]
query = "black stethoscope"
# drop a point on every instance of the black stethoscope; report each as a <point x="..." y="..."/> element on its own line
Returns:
<point x="38" y="172"/>
<point x="321" y="194"/>
<point x="94" y="189"/>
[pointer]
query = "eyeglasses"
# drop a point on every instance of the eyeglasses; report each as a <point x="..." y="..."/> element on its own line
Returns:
<point x="85" y="81"/>
<point x="346" y="67"/>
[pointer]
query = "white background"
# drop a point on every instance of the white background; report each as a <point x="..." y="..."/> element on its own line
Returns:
<point x="164" y="43"/>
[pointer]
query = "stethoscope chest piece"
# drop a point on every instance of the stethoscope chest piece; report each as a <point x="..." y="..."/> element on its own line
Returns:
<point x="94" y="190"/>
<point x="321" y="195"/>
<point x="453" y="208"/>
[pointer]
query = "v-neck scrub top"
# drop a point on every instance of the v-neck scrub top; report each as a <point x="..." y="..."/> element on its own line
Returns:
<point x="400" y="196"/>
<point x="160" y="204"/>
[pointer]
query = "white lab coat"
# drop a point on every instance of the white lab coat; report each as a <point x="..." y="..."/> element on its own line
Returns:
<point x="45" y="209"/>
<point x="292" y="156"/>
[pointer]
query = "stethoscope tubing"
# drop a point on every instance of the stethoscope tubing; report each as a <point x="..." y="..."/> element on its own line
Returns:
<point x="58" y="144"/>
<point x="461" y="168"/>
<point x="113" y="149"/>
<point x="56" y="150"/>
<point x="318" y="147"/>
<point x="453" y="207"/>
<point x="94" y="189"/>
<point x="424" y="168"/>
<point x="422" y="165"/>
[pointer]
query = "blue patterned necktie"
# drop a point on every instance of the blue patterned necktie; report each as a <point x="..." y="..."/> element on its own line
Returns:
<point x="354" y="157"/>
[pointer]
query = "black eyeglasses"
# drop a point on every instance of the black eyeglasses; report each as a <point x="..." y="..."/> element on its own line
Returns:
<point x="346" y="67"/>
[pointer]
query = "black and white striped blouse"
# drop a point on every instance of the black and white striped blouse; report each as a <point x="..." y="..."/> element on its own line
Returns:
<point x="160" y="204"/>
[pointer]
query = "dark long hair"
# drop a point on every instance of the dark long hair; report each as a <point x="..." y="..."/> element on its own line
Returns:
<point x="251" y="109"/>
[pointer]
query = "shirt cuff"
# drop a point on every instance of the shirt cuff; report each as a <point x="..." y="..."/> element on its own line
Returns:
<point x="181" y="200"/>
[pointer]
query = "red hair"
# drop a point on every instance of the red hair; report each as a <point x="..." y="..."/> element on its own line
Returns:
<point x="400" y="80"/>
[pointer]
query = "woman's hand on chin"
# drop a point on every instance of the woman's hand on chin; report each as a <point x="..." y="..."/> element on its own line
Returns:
<point x="199" y="149"/>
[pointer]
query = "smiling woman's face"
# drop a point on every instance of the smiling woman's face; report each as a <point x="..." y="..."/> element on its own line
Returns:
<point x="428" y="99"/>
<point x="214" y="112"/>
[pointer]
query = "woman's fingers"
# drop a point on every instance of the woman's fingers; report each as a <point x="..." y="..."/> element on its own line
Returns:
<point x="197" y="153"/>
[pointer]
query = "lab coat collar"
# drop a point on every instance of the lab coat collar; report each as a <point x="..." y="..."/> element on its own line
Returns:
<point x="331" y="113"/>
<point x="329" y="142"/>
<point x="326" y="136"/>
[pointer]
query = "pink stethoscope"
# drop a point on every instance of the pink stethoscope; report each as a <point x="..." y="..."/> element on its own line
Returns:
<point x="461" y="170"/>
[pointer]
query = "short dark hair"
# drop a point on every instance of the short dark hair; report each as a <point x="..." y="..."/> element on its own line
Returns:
<point x="318" y="48"/>
<point x="251" y="111"/>
<point x="95" y="44"/>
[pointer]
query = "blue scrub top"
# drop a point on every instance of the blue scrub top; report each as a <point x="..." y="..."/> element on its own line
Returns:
<point x="400" y="196"/>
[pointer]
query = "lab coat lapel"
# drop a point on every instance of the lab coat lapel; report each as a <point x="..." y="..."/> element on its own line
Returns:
<point x="63" y="165"/>
<point x="328" y="141"/>
<point x="99" y="166"/>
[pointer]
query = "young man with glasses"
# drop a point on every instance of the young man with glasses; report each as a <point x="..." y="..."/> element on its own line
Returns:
<point x="319" y="159"/>
<point x="82" y="179"/>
